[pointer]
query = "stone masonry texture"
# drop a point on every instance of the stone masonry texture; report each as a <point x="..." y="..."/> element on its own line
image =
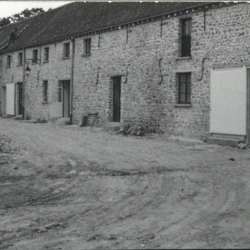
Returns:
<point x="147" y="57"/>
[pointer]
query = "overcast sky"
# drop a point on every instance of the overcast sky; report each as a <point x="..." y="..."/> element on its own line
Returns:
<point x="9" y="8"/>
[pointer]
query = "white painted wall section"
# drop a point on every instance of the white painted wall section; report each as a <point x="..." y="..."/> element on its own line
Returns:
<point x="228" y="101"/>
<point x="10" y="99"/>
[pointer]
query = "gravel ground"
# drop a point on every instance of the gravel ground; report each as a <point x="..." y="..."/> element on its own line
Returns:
<point x="65" y="187"/>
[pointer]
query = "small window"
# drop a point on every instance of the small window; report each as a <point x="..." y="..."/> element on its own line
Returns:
<point x="8" y="62"/>
<point x="46" y="54"/>
<point x="185" y="88"/>
<point x="186" y="37"/>
<point x="66" y="50"/>
<point x="20" y="59"/>
<point x="87" y="46"/>
<point x="59" y="92"/>
<point x="35" y="56"/>
<point x="45" y="91"/>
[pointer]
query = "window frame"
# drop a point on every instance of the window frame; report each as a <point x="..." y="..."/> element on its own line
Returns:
<point x="45" y="91"/>
<point x="46" y="54"/>
<point x="87" y="46"/>
<point x="20" y="59"/>
<point x="8" y="61"/>
<point x="187" y="90"/>
<point x="35" y="56"/>
<point x="186" y="37"/>
<point x="66" y="50"/>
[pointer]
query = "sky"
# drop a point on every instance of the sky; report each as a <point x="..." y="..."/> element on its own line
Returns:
<point x="9" y="8"/>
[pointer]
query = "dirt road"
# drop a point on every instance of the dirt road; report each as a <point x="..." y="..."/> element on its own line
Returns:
<point x="65" y="187"/>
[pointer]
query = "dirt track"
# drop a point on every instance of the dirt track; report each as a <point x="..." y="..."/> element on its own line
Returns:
<point x="65" y="187"/>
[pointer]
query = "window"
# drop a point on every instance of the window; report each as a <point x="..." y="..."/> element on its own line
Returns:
<point x="35" y="56"/>
<point x="8" y="63"/>
<point x="20" y="59"/>
<point x="186" y="37"/>
<point x="59" y="99"/>
<point x="45" y="91"/>
<point x="46" y="54"/>
<point x="185" y="88"/>
<point x="66" y="50"/>
<point x="87" y="46"/>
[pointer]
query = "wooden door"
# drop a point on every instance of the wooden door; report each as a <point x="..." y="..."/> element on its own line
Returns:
<point x="3" y="100"/>
<point x="116" y="99"/>
<point x="20" y="99"/>
<point x="228" y="99"/>
<point x="64" y="97"/>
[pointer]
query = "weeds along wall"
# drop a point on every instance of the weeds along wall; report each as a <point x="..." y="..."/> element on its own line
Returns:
<point x="147" y="57"/>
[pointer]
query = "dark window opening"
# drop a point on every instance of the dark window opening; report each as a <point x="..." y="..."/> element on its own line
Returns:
<point x="66" y="50"/>
<point x="45" y="91"/>
<point x="46" y="54"/>
<point x="8" y="63"/>
<point x="186" y="37"/>
<point x="87" y="46"/>
<point x="185" y="88"/>
<point x="35" y="56"/>
<point x="20" y="59"/>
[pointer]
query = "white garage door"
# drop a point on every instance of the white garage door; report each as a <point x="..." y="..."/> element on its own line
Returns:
<point x="228" y="103"/>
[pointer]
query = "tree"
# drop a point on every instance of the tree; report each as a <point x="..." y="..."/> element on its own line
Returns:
<point x="20" y="16"/>
<point x="25" y="14"/>
<point x="4" y="21"/>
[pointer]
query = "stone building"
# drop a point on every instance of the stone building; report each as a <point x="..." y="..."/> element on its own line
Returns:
<point x="174" y="68"/>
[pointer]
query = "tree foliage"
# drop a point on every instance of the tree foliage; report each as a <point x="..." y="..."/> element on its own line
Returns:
<point x="4" y="21"/>
<point x="20" y="16"/>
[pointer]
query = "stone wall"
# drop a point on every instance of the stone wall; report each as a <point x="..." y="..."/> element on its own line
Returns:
<point x="140" y="58"/>
<point x="53" y="71"/>
<point x="13" y="74"/>
<point x="147" y="56"/>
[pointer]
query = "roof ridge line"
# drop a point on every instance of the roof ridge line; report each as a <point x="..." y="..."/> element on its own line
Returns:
<point x="38" y="38"/>
<point x="127" y="23"/>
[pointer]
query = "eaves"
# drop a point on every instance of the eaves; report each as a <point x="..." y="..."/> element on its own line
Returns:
<point x="203" y="7"/>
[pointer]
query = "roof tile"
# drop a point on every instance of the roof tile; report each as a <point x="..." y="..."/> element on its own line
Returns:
<point x="79" y="17"/>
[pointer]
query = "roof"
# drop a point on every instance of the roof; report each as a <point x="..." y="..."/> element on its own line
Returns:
<point x="79" y="18"/>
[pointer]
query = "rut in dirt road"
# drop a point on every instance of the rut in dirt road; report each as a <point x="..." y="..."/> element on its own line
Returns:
<point x="65" y="187"/>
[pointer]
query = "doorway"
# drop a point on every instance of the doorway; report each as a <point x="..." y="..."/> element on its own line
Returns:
<point x="3" y="100"/>
<point x="116" y="99"/>
<point x="64" y="97"/>
<point x="248" y="104"/>
<point x="19" y="98"/>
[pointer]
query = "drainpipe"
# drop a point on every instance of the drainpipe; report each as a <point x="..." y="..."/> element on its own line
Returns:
<point x="40" y="64"/>
<point x="72" y="78"/>
<point x="24" y="60"/>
